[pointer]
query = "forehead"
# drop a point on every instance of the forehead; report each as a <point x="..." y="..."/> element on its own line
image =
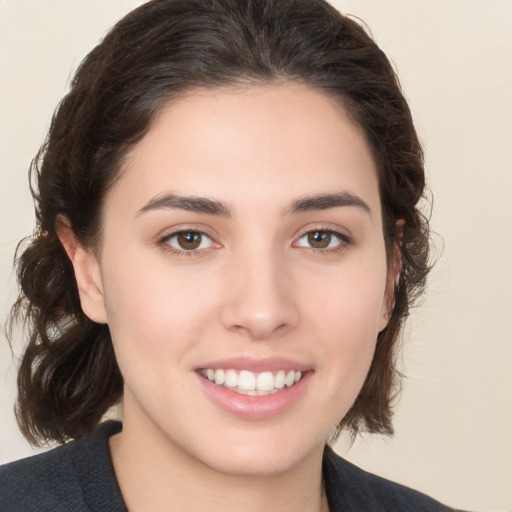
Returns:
<point x="272" y="142"/>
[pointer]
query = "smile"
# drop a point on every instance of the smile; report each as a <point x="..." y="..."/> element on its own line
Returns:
<point x="250" y="383"/>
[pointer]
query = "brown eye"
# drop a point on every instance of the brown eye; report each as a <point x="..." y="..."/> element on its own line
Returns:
<point x="323" y="240"/>
<point x="189" y="241"/>
<point x="319" y="239"/>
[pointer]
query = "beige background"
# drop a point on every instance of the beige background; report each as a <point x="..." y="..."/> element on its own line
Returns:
<point x="454" y="421"/>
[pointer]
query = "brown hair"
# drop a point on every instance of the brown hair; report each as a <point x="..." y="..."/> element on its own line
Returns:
<point x="68" y="375"/>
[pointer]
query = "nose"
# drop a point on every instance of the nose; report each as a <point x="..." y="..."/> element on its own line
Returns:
<point x="261" y="303"/>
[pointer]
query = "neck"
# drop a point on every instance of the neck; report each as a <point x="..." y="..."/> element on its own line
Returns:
<point x="156" y="475"/>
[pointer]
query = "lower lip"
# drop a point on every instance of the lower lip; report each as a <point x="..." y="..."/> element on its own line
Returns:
<point x="255" y="407"/>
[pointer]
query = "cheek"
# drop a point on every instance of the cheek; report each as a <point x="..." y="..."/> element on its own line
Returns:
<point x="153" y="312"/>
<point x="345" y="314"/>
<point x="350" y="298"/>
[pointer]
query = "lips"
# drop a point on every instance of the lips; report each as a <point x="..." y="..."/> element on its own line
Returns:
<point x="254" y="389"/>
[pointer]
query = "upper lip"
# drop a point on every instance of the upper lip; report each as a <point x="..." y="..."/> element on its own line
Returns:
<point x="271" y="364"/>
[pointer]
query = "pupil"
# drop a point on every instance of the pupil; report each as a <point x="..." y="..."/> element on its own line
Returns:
<point x="189" y="241"/>
<point x="319" y="239"/>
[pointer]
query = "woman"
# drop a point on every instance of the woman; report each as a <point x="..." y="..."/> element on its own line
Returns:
<point x="229" y="242"/>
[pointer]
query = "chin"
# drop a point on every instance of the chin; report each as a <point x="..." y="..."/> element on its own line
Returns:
<point x="268" y="452"/>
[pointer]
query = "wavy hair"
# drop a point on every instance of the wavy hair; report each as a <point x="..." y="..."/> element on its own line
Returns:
<point x="68" y="376"/>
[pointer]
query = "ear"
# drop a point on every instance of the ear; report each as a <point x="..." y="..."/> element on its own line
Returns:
<point x="393" y="279"/>
<point x="87" y="271"/>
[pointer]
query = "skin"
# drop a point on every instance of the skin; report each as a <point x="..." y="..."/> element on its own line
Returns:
<point x="255" y="288"/>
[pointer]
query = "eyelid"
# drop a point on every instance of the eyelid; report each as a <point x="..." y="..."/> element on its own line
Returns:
<point x="163" y="240"/>
<point x="344" y="238"/>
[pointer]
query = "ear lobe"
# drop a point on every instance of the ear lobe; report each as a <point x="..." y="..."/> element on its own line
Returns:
<point x="87" y="271"/>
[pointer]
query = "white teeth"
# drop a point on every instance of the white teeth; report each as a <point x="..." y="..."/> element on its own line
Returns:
<point x="265" y="381"/>
<point x="219" y="377"/>
<point x="279" y="379"/>
<point x="250" y="383"/>
<point x="247" y="381"/>
<point x="231" y="379"/>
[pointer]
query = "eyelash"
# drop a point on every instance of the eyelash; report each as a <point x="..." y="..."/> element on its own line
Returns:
<point x="344" y="242"/>
<point x="165" y="243"/>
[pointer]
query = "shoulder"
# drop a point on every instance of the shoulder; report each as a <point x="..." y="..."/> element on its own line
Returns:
<point x="41" y="482"/>
<point x="57" y="480"/>
<point x="351" y="488"/>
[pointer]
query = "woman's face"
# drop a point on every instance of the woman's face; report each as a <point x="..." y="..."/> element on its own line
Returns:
<point x="243" y="242"/>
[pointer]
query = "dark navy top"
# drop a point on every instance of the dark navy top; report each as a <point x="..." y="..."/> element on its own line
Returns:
<point x="79" y="477"/>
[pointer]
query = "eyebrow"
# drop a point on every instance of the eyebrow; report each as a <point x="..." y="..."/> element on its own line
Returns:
<point x="326" y="201"/>
<point x="214" y="207"/>
<point x="188" y="203"/>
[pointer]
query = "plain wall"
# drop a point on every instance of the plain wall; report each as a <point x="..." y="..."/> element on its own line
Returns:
<point x="454" y="420"/>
